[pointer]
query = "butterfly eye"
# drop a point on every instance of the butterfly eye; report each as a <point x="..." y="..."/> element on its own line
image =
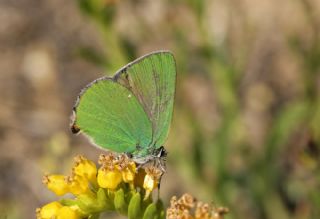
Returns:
<point x="75" y="129"/>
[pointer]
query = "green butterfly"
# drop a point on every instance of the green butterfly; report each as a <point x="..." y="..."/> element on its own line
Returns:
<point x="130" y="112"/>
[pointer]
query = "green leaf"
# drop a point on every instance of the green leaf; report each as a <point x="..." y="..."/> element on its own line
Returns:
<point x="68" y="202"/>
<point x="119" y="202"/>
<point x="150" y="212"/>
<point x="94" y="216"/>
<point x="86" y="204"/>
<point x="104" y="201"/>
<point x="134" y="209"/>
<point x="160" y="209"/>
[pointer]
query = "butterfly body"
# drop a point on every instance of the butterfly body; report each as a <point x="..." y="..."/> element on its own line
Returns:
<point x="130" y="112"/>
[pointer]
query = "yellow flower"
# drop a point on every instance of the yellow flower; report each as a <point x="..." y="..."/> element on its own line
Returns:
<point x="67" y="213"/>
<point x="109" y="178"/>
<point x="151" y="180"/>
<point x="85" y="168"/>
<point x="107" y="160"/>
<point x="57" y="211"/>
<point x="48" y="211"/>
<point x="128" y="174"/>
<point x="56" y="183"/>
<point x="78" y="184"/>
<point x="127" y="168"/>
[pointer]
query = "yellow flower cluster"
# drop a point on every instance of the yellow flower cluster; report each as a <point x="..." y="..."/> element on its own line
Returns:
<point x="57" y="211"/>
<point x="187" y="208"/>
<point x="116" y="186"/>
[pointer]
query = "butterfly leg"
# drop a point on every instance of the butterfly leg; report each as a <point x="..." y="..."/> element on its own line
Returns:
<point x="161" y="164"/>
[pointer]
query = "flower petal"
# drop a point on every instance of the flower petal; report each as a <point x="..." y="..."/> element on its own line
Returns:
<point x="109" y="179"/>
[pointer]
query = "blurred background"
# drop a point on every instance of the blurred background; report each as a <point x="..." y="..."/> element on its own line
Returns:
<point x="246" y="126"/>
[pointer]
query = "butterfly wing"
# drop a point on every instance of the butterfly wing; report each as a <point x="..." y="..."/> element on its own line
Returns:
<point x="152" y="79"/>
<point x="112" y="117"/>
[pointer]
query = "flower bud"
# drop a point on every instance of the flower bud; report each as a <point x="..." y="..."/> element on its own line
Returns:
<point x="85" y="168"/>
<point x="134" y="208"/>
<point x="49" y="210"/>
<point x="109" y="179"/>
<point x="67" y="213"/>
<point x="56" y="183"/>
<point x="78" y="184"/>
